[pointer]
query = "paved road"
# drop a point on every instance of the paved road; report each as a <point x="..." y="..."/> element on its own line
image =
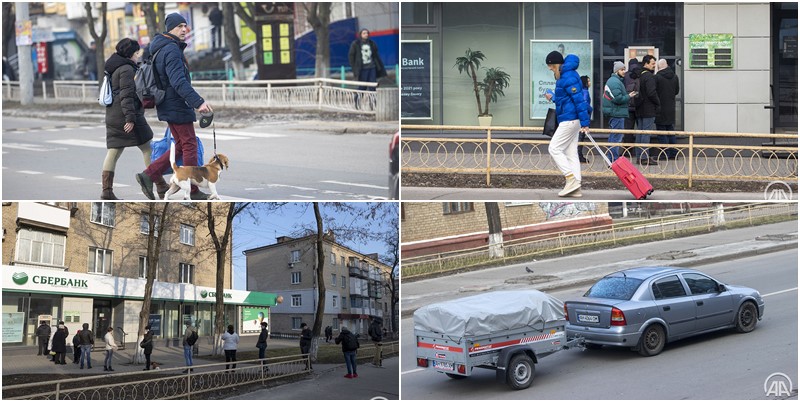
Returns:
<point x="722" y="365"/>
<point x="62" y="160"/>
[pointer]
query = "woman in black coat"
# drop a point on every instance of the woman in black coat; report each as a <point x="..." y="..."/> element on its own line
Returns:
<point x="147" y="345"/>
<point x="60" y="345"/>
<point x="125" y="122"/>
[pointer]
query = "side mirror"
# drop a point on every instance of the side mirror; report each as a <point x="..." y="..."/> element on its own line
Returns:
<point x="721" y="288"/>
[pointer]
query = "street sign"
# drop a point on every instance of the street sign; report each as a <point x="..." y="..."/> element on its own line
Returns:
<point x="417" y="72"/>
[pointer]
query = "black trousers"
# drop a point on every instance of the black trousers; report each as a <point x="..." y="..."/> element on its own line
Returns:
<point x="43" y="345"/>
<point x="230" y="356"/>
<point x="147" y="361"/>
<point x="76" y="354"/>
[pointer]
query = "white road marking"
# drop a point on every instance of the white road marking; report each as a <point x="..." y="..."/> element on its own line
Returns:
<point x="779" y="292"/>
<point x="412" y="371"/>
<point x="220" y="137"/>
<point x="240" y="134"/>
<point x="302" y="196"/>
<point x="70" y="178"/>
<point x="354" y="184"/>
<point x="29" y="147"/>
<point x="292" y="187"/>
<point x="253" y="188"/>
<point x="28" y="172"/>
<point x="80" y="143"/>
<point x="115" y="184"/>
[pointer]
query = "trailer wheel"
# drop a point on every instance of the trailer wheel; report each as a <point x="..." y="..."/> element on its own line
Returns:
<point x="520" y="370"/>
<point x="455" y="376"/>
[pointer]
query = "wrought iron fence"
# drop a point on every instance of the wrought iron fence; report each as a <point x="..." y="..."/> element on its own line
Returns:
<point x="564" y="242"/>
<point x="693" y="161"/>
<point x="174" y="383"/>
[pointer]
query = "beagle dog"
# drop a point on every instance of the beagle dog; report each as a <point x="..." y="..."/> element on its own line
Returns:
<point x="201" y="176"/>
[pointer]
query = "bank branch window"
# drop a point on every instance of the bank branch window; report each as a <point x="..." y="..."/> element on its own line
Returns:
<point x="104" y="213"/>
<point x="187" y="235"/>
<point x="100" y="260"/>
<point x="40" y="247"/>
<point x="187" y="273"/>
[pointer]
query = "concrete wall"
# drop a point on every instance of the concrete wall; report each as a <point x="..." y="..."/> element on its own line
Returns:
<point x="729" y="99"/>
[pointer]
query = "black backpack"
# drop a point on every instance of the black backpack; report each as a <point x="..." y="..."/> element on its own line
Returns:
<point x="192" y="339"/>
<point x="148" y="85"/>
<point x="351" y="342"/>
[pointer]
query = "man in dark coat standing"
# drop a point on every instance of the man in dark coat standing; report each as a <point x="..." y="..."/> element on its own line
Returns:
<point x="667" y="86"/>
<point x="43" y="337"/>
<point x="215" y="17"/>
<point x="305" y="341"/>
<point x="180" y="102"/>
<point x="365" y="60"/>
<point x="648" y="106"/>
<point x="376" y="334"/>
<point x="147" y="346"/>
<point x="631" y="81"/>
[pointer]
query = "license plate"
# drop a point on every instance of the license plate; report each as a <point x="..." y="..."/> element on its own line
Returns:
<point x="588" y="318"/>
<point x="444" y="366"/>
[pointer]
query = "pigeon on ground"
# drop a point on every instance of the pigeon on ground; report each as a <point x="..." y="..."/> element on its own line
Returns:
<point x="528" y="270"/>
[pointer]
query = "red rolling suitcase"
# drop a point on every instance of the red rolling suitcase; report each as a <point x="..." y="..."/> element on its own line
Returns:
<point x="636" y="183"/>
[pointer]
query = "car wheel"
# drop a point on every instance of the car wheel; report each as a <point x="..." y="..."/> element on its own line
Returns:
<point x="593" y="346"/>
<point x="746" y="317"/>
<point x="652" y="341"/>
<point x="456" y="376"/>
<point x="519" y="373"/>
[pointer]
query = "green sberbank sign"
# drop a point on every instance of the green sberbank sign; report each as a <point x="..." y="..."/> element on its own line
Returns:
<point x="21" y="278"/>
<point x="204" y="293"/>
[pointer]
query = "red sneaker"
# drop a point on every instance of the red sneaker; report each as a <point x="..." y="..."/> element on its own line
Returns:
<point x="355" y="375"/>
<point x="348" y="376"/>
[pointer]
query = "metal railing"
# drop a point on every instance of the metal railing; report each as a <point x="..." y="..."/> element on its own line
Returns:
<point x="694" y="161"/>
<point x="566" y="241"/>
<point x="316" y="93"/>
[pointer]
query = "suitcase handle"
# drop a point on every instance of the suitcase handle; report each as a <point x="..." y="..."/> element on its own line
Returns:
<point x="600" y="151"/>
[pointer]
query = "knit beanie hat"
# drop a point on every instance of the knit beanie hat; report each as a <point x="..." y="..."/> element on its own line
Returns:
<point x="618" y="65"/>
<point x="173" y="20"/>
<point x="554" y="57"/>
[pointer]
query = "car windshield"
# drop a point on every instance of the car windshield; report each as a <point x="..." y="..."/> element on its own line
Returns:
<point x="614" y="287"/>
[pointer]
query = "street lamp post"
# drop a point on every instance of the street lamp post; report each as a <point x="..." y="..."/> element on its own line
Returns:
<point x="24" y="58"/>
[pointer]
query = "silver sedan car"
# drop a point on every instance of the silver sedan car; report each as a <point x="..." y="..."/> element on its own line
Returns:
<point x="644" y="308"/>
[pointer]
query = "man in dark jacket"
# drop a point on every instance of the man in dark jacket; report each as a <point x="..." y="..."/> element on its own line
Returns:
<point x="60" y="345"/>
<point x="376" y="333"/>
<point x="648" y="106"/>
<point x="261" y="344"/>
<point x="90" y="62"/>
<point x="349" y="348"/>
<point x="215" y="17"/>
<point x="631" y="81"/>
<point x="667" y="86"/>
<point x="305" y="342"/>
<point x="328" y="333"/>
<point x="180" y="102"/>
<point x="87" y="341"/>
<point x="147" y="346"/>
<point x="43" y="337"/>
<point x="365" y="60"/>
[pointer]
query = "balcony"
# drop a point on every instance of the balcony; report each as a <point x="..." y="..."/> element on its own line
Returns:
<point x="357" y="272"/>
<point x="43" y="215"/>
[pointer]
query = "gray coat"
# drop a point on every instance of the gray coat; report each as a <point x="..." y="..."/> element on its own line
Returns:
<point x="126" y="106"/>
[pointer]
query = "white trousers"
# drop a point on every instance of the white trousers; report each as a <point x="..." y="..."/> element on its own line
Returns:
<point x="564" y="148"/>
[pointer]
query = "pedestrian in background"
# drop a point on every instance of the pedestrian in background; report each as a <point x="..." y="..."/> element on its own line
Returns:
<point x="648" y="106"/>
<point x="328" y="333"/>
<point x="59" y="345"/>
<point x="215" y="17"/>
<point x="631" y="81"/>
<point x="178" y="106"/>
<point x="125" y="122"/>
<point x="90" y="62"/>
<point x="187" y="347"/>
<point x="76" y="348"/>
<point x="230" y="342"/>
<point x="365" y="61"/>
<point x="111" y="346"/>
<point x="667" y="86"/>
<point x="350" y="347"/>
<point x="147" y="346"/>
<point x="43" y="338"/>
<point x="615" y="106"/>
<point x="53" y="333"/>
<point x="305" y="343"/>
<point x="586" y="82"/>
<point x="572" y="113"/>
<point x="87" y="342"/>
<point x="376" y="333"/>
<point x="261" y="344"/>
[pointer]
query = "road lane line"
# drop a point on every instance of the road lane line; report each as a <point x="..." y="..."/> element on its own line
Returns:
<point x="779" y="292"/>
<point x="80" y="143"/>
<point x="29" y="172"/>
<point x="354" y="184"/>
<point x="412" y="371"/>
<point x="302" y="196"/>
<point x="71" y="178"/>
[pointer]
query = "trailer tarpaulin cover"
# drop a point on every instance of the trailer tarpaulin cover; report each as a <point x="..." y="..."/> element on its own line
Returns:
<point x="490" y="313"/>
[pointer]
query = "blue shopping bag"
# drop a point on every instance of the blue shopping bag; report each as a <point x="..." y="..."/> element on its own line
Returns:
<point x="161" y="147"/>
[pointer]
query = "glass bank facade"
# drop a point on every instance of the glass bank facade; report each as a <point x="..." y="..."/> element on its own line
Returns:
<point x="764" y="94"/>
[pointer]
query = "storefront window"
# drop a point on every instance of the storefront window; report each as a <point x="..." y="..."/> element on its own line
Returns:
<point x="205" y="319"/>
<point x="416" y="13"/>
<point x="639" y="24"/>
<point x="173" y="325"/>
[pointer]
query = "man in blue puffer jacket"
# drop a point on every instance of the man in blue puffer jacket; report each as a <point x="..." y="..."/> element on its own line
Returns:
<point x="180" y="101"/>
<point x="572" y="113"/>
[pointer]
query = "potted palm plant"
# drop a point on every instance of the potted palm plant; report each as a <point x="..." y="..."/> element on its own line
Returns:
<point x="495" y="80"/>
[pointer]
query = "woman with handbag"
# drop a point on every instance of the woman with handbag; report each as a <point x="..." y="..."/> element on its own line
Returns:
<point x="572" y="113"/>
<point x="147" y="345"/>
<point x="125" y="122"/>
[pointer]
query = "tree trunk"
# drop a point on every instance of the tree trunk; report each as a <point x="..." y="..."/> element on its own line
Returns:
<point x="317" y="326"/>
<point x="153" y="251"/>
<point x="100" y="39"/>
<point x="475" y="89"/>
<point x="495" y="230"/>
<point x="9" y="28"/>
<point x="319" y="16"/>
<point x="154" y="18"/>
<point x="232" y="40"/>
<point x="718" y="219"/>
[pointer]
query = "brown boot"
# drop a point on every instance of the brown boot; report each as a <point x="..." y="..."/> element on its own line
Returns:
<point x="161" y="186"/>
<point x="108" y="186"/>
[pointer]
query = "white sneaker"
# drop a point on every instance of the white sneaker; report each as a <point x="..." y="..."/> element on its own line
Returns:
<point x="575" y="194"/>
<point x="571" y="186"/>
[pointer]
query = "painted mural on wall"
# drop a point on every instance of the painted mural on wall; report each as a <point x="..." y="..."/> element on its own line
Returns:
<point x="565" y="210"/>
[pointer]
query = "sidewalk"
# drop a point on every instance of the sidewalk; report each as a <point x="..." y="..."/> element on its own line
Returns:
<point x="478" y="194"/>
<point x="580" y="269"/>
<point x="328" y="382"/>
<point x="304" y="120"/>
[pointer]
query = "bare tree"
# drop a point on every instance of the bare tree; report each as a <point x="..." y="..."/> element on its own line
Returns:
<point x="9" y="16"/>
<point x="157" y="222"/>
<point x="391" y="237"/>
<point x="319" y="16"/>
<point x="154" y="17"/>
<point x="232" y="39"/>
<point x="98" y="39"/>
<point x="495" y="230"/>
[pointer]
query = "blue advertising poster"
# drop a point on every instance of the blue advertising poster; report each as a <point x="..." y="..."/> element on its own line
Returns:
<point x="542" y="79"/>
<point x="416" y="75"/>
<point x="155" y="324"/>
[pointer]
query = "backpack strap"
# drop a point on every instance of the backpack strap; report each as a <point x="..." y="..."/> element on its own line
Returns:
<point x="153" y="62"/>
